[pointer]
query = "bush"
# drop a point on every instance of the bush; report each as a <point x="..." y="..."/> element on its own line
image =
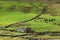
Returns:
<point x="25" y="9"/>
<point x="12" y="8"/>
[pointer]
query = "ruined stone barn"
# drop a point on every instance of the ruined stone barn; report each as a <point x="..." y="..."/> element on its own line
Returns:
<point x="21" y="29"/>
<point x="26" y="30"/>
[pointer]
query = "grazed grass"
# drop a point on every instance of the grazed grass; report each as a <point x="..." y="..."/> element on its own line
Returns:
<point x="10" y="17"/>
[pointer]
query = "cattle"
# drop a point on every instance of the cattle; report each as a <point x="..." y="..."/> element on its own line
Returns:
<point x="46" y="20"/>
<point x="52" y="19"/>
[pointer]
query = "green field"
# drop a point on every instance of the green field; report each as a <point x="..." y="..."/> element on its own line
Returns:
<point x="13" y="12"/>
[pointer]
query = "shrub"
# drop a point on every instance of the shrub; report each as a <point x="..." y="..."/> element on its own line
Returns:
<point x="25" y="9"/>
<point x="12" y="8"/>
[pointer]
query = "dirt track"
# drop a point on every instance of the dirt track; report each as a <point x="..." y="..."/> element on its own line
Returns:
<point x="44" y="39"/>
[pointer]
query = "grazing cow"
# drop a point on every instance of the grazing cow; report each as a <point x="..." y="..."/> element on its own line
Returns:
<point x="46" y="20"/>
<point x="51" y="20"/>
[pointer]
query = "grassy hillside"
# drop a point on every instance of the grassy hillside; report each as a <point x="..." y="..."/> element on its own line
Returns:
<point x="12" y="12"/>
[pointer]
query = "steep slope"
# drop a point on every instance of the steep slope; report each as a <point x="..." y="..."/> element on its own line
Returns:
<point x="53" y="10"/>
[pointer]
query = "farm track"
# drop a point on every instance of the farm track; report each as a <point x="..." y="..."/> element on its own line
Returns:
<point x="45" y="39"/>
<point x="30" y="38"/>
<point x="36" y="33"/>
